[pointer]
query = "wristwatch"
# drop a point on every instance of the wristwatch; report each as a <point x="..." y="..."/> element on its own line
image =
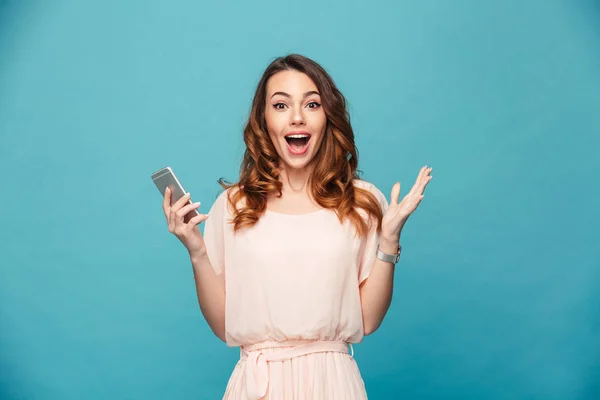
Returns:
<point x="392" y="258"/>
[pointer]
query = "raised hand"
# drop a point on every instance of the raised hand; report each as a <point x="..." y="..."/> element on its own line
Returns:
<point x="397" y="213"/>
<point x="187" y="232"/>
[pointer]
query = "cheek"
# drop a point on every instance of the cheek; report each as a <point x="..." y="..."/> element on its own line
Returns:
<point x="275" y="122"/>
<point x="320" y="122"/>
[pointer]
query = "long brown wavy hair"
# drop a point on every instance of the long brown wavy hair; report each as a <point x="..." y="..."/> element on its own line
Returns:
<point x="335" y="163"/>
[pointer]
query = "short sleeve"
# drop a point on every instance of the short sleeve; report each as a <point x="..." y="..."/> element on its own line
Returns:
<point x="214" y="234"/>
<point x="368" y="245"/>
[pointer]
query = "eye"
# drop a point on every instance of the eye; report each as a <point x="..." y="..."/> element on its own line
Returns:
<point x="313" y="105"/>
<point x="279" y="106"/>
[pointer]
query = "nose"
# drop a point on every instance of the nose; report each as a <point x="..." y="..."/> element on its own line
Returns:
<point x="297" y="116"/>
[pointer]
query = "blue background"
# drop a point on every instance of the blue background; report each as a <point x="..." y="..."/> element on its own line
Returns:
<point x="496" y="295"/>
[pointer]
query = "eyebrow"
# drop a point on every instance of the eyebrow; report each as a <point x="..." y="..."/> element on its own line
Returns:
<point x="289" y="96"/>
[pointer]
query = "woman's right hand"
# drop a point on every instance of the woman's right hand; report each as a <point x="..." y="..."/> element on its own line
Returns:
<point x="188" y="233"/>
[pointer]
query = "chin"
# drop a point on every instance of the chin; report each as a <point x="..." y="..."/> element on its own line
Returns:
<point x="297" y="163"/>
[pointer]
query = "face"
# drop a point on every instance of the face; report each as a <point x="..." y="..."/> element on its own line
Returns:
<point x="295" y="118"/>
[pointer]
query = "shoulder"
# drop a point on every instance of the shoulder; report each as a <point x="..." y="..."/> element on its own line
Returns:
<point x="221" y="200"/>
<point x="224" y="201"/>
<point x="361" y="183"/>
<point x="370" y="187"/>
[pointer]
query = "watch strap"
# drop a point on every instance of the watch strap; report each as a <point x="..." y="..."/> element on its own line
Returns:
<point x="391" y="258"/>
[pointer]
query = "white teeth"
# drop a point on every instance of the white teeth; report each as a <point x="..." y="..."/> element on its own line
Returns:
<point x="297" y="136"/>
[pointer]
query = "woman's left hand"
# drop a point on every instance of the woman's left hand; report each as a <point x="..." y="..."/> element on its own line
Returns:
<point x="397" y="213"/>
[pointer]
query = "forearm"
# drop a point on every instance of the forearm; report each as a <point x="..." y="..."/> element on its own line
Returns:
<point x="376" y="292"/>
<point x="211" y="293"/>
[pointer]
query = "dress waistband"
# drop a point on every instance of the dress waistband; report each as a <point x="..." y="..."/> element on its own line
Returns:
<point x="257" y="369"/>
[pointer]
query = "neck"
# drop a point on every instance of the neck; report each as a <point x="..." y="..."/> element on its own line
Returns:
<point x="295" y="180"/>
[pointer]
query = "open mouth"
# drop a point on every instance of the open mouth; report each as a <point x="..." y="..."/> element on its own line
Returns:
<point x="298" y="143"/>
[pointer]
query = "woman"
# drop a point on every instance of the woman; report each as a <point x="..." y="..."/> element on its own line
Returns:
<point x="297" y="258"/>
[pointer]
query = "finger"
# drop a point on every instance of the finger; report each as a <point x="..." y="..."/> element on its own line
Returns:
<point x="175" y="207"/>
<point x="179" y="203"/>
<point x="415" y="186"/>
<point x="421" y="181"/>
<point x="420" y="185"/>
<point x="167" y="201"/>
<point x="413" y="202"/>
<point x="395" y="193"/>
<point x="182" y="201"/>
<point x="422" y="174"/>
<point x="185" y="210"/>
<point x="198" y="219"/>
<point x="426" y="179"/>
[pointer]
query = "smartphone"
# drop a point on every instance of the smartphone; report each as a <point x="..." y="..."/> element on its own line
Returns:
<point x="165" y="177"/>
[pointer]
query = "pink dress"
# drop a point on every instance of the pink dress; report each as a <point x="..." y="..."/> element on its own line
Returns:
<point x="292" y="301"/>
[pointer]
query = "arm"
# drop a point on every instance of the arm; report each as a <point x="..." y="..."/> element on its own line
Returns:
<point x="210" y="290"/>
<point x="208" y="275"/>
<point x="376" y="291"/>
